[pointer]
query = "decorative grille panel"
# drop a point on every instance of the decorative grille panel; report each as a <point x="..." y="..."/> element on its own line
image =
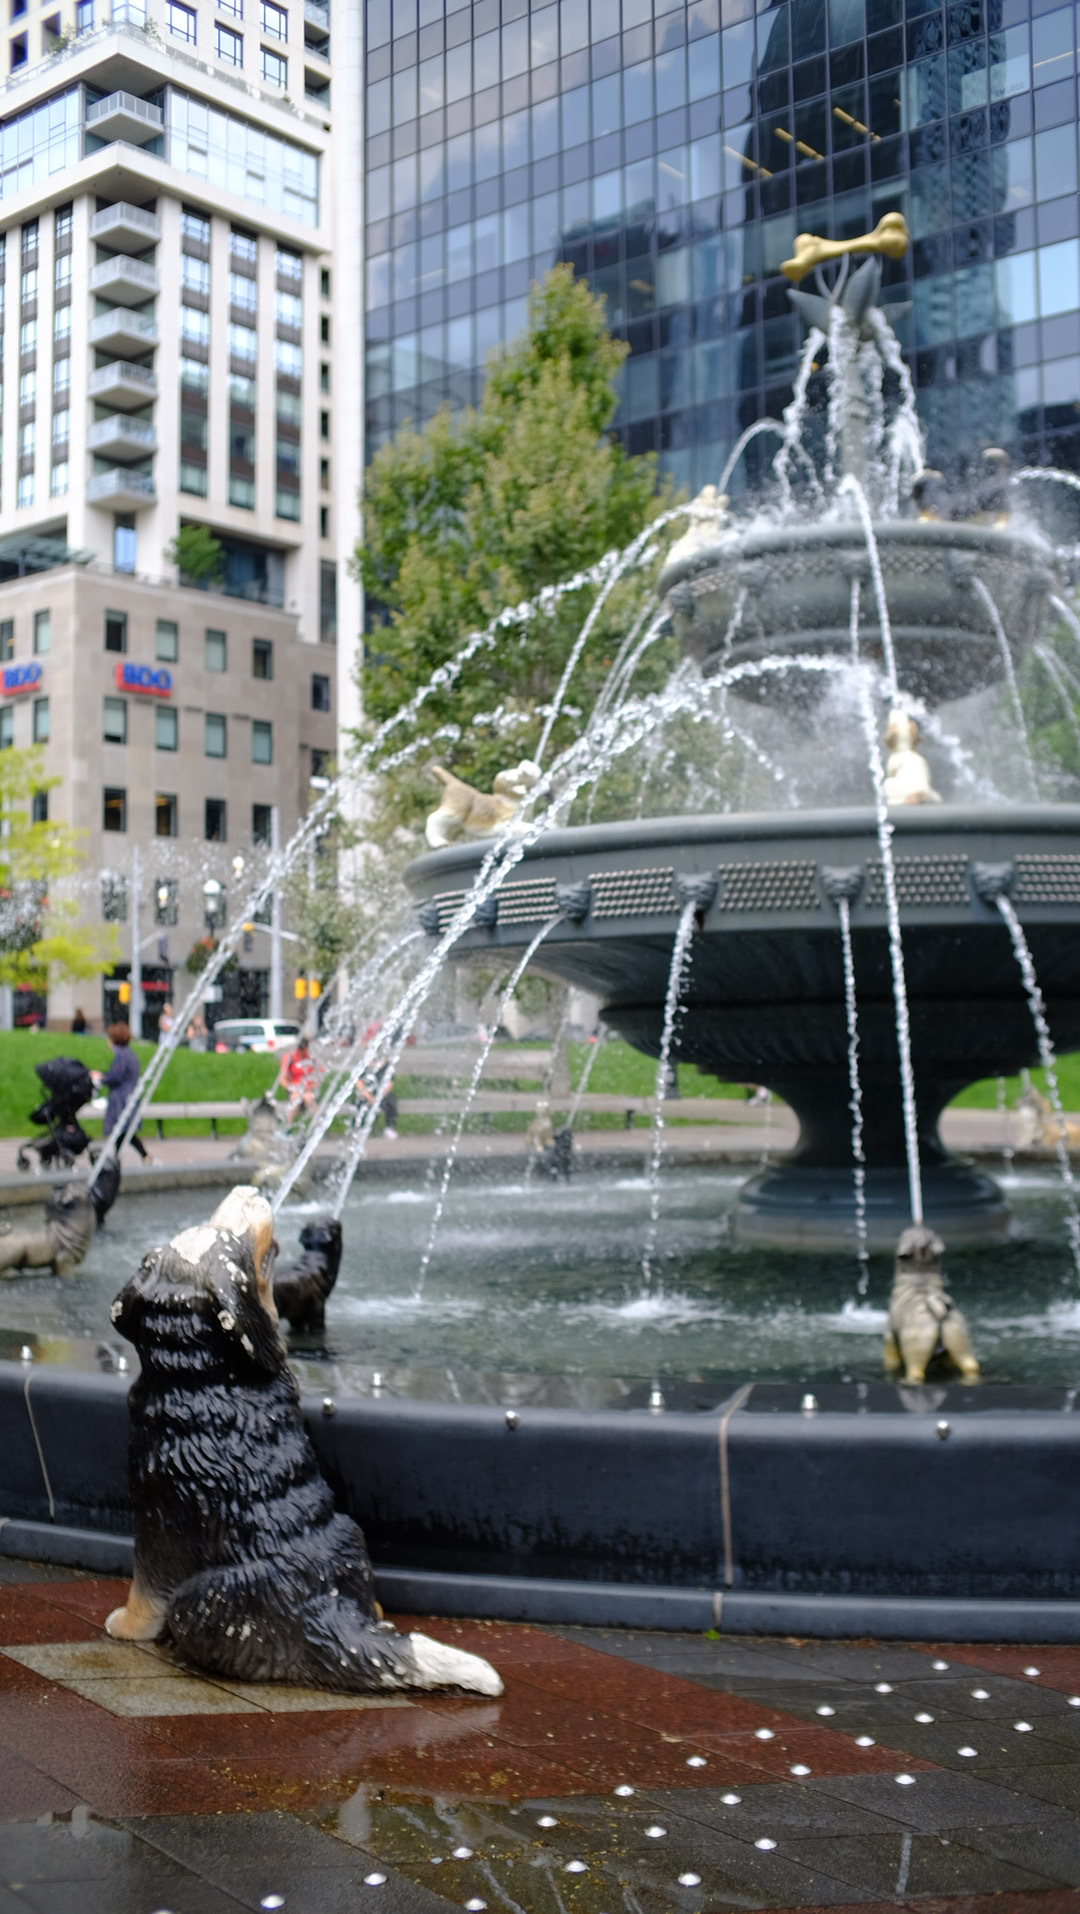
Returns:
<point x="633" y="893"/>
<point x="938" y="879"/>
<point x="1047" y="877"/>
<point x="786" y="885"/>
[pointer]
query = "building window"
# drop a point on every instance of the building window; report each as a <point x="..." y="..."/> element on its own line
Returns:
<point x="114" y="813"/>
<point x="324" y="378"/>
<point x="167" y="642"/>
<point x="25" y="492"/>
<point x="324" y="283"/>
<point x="324" y="475"/>
<point x="243" y="342"/>
<point x="243" y="246"/>
<point x="261" y="824"/>
<point x="42" y="631"/>
<point x="230" y="46"/>
<point x="84" y="16"/>
<point x="114" y="887"/>
<point x="216" y="735"/>
<point x="275" y="68"/>
<point x="7" y="640"/>
<point x="62" y="273"/>
<point x="289" y="309"/>
<point x="60" y="481"/>
<point x="61" y="379"/>
<point x="166" y="728"/>
<point x="324" y="425"/>
<point x="324" y="330"/>
<point x="30" y="233"/>
<point x="194" y="376"/>
<point x="39" y="808"/>
<point x="289" y="358"/>
<point x="243" y="292"/>
<point x="166" y="814"/>
<point x="166" y="903"/>
<point x="193" y="478"/>
<point x="29" y="285"/>
<point x="320" y="764"/>
<point x="262" y="658"/>
<point x="123" y="543"/>
<point x="115" y="727"/>
<point x="42" y="726"/>
<point x="195" y="325"/>
<point x="324" y="521"/>
<point x="181" y="22"/>
<point x="61" y="427"/>
<point x="262" y="742"/>
<point x="275" y="21"/>
<point x="62" y="321"/>
<point x="195" y="274"/>
<point x="28" y="439"/>
<point x="287" y="504"/>
<point x="288" y="265"/>
<point x="7" y="727"/>
<point x="64" y="223"/>
<point x="28" y="386"/>
<point x="320" y="691"/>
<point x="195" y="226"/>
<point x="28" y="336"/>
<point x="212" y="144"/>
<point x="217" y="651"/>
<point x="216" y="832"/>
<point x="116" y="631"/>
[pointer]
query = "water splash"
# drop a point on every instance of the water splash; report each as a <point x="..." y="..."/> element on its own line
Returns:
<point x="850" y="486"/>
<point x="858" y="1154"/>
<point x="473" y="1086"/>
<point x="1005" y="649"/>
<point x="583" y="1081"/>
<point x="1048" y="1060"/>
<point x="1050" y="666"/>
<point x="676" y="980"/>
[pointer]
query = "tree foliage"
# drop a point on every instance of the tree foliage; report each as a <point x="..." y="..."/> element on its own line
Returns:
<point x="199" y="557"/>
<point x="39" y="929"/>
<point x="482" y="509"/>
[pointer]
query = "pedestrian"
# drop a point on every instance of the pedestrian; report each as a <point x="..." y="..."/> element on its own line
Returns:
<point x="166" y="1022"/>
<point x="79" y="1024"/>
<point x="297" y="1077"/>
<point x="120" y="1080"/>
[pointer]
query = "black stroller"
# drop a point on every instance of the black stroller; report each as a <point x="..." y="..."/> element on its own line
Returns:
<point x="68" y="1085"/>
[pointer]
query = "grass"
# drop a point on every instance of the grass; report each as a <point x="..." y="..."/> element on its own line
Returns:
<point x="195" y="1076"/>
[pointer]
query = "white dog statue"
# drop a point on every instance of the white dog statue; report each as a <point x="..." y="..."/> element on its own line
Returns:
<point x="907" y="774"/>
<point x="923" y="1318"/>
<point x="1038" y="1126"/>
<point x="465" y="812"/>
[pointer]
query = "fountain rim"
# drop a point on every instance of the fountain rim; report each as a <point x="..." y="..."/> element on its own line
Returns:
<point x="740" y="546"/>
<point x="754" y="826"/>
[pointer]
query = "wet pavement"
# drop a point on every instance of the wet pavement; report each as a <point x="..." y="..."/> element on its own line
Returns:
<point x="620" y="1771"/>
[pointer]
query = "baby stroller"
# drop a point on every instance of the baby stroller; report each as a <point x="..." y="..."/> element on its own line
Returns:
<point x="68" y="1085"/>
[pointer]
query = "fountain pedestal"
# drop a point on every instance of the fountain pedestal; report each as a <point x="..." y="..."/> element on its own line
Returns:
<point x="764" y="999"/>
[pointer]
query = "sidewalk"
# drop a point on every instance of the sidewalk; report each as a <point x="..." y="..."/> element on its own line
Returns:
<point x="620" y="1771"/>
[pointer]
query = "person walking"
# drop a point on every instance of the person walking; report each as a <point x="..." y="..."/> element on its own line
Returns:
<point x="120" y="1080"/>
<point x="166" y="1022"/>
<point x="298" y="1077"/>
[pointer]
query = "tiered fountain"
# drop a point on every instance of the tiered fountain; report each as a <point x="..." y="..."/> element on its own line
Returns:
<point x="858" y="582"/>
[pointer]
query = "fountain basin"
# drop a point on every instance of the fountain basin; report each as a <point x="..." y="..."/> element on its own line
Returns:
<point x="764" y="999"/>
<point x="795" y="584"/>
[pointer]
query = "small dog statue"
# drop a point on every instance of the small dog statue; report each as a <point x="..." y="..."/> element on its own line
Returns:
<point x="62" y="1240"/>
<point x="301" y="1288"/>
<point x="241" y="1561"/>
<point x="265" y="1150"/>
<point x="923" y="1319"/>
<point x="464" y="812"/>
<point x="1038" y="1126"/>
<point x="907" y="774"/>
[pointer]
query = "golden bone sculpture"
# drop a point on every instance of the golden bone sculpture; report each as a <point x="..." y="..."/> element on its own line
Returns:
<point x="889" y="237"/>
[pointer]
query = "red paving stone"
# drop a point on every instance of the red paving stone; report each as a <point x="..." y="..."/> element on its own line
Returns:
<point x="1059" y="1666"/>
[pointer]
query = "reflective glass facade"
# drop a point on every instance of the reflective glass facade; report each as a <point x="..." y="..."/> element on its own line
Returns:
<point x="672" y="152"/>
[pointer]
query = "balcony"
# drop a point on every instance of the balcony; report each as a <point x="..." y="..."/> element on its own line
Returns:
<point x="124" y="225"/>
<point x="119" y="437"/>
<point x="317" y="14"/>
<point x="123" y="384"/>
<point x="113" y="331"/>
<point x="121" y="116"/>
<point x="129" y="281"/>
<point x="120" y="489"/>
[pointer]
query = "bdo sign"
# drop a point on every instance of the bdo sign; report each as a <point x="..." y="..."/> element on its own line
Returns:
<point x="144" y="679"/>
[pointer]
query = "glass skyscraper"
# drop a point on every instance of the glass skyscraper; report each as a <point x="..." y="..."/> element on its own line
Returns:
<point x="672" y="151"/>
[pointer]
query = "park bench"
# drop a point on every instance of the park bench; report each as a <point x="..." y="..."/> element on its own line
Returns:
<point x="162" y="1113"/>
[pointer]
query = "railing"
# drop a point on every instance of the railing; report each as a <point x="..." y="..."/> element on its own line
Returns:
<point x="106" y="376"/>
<point x="128" y="103"/>
<point x="120" y="319"/>
<point x="318" y="13"/>
<point x="134" y="271"/>
<point x="119" y="429"/>
<point x="108" y="485"/>
<point x="135" y="218"/>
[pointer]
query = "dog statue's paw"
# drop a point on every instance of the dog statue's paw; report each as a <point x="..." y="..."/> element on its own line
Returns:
<point x="442" y="1667"/>
<point x="126" y="1625"/>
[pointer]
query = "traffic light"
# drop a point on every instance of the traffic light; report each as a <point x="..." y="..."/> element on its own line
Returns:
<point x="300" y="989"/>
<point x="124" y="993"/>
<point x="249" y="937"/>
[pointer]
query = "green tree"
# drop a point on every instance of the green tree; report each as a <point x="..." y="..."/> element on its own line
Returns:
<point x="199" y="557"/>
<point x="39" y="931"/>
<point x="482" y="509"/>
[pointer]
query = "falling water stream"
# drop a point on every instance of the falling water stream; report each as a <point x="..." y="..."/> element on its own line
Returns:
<point x="858" y="1155"/>
<point x="1005" y="649"/>
<point x="1049" y="1063"/>
<point x="676" y="980"/>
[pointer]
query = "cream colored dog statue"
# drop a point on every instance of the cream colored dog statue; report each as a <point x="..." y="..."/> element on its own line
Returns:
<point x="923" y="1319"/>
<point x="1038" y="1127"/>
<point x="464" y="812"/>
<point x="907" y="774"/>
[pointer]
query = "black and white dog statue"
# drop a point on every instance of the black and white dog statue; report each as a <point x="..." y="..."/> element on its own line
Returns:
<point x="241" y="1561"/>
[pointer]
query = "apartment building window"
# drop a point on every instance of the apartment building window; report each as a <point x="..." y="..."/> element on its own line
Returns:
<point x="324" y="330"/>
<point x="60" y="480"/>
<point x="216" y="743"/>
<point x="124" y="542"/>
<point x="194" y="226"/>
<point x="42" y="724"/>
<point x="262" y="742"/>
<point x="320" y="691"/>
<point x="215" y="144"/>
<point x="61" y="427"/>
<point x="288" y="265"/>
<point x="28" y="290"/>
<point x="7" y="728"/>
<point x="243" y="292"/>
<point x="166" y="728"/>
<point x="234" y="8"/>
<point x="275" y="68"/>
<point x="229" y="45"/>
<point x="64" y="226"/>
<point x="194" y="376"/>
<point x="27" y="439"/>
<point x="166" y="642"/>
<point x="275" y="21"/>
<point x="320" y="765"/>
<point x="62" y="272"/>
<point x="244" y="247"/>
<point x="84" y="16"/>
<point x="18" y="52"/>
<point x="27" y="388"/>
<point x="115" y="727"/>
<point x="261" y="824"/>
<point x="324" y="378"/>
<point x="28" y="336"/>
<point x="114" y="901"/>
<point x="114" y="809"/>
<point x="25" y="492"/>
<point x="30" y="236"/>
<point x="39" y="808"/>
<point x="181" y="22"/>
<point x="262" y="658"/>
<point x="166" y="903"/>
<point x="243" y="342"/>
<point x="61" y="378"/>
<point x="195" y="273"/>
<point x="42" y="632"/>
<point x="7" y="640"/>
<point x="324" y="521"/>
<point x="324" y="283"/>
<point x="217" y="651"/>
<point x="116" y="631"/>
<point x="193" y="478"/>
<point x="215" y="821"/>
<point x="194" y="323"/>
<point x="289" y="310"/>
<point x="288" y="359"/>
<point x="324" y="475"/>
<point x="324" y="425"/>
<point x="166" y="814"/>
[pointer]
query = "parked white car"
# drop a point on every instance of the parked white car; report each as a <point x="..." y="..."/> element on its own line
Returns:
<point x="255" y="1033"/>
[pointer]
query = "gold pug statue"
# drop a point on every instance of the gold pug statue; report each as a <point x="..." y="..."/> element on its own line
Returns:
<point x="890" y="236"/>
<point x="907" y="774"/>
<point x="465" y="812"/>
<point x="923" y="1319"/>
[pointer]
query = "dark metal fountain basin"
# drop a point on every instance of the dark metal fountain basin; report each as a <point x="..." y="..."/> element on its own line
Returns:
<point x="764" y="1001"/>
<point x="795" y="585"/>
